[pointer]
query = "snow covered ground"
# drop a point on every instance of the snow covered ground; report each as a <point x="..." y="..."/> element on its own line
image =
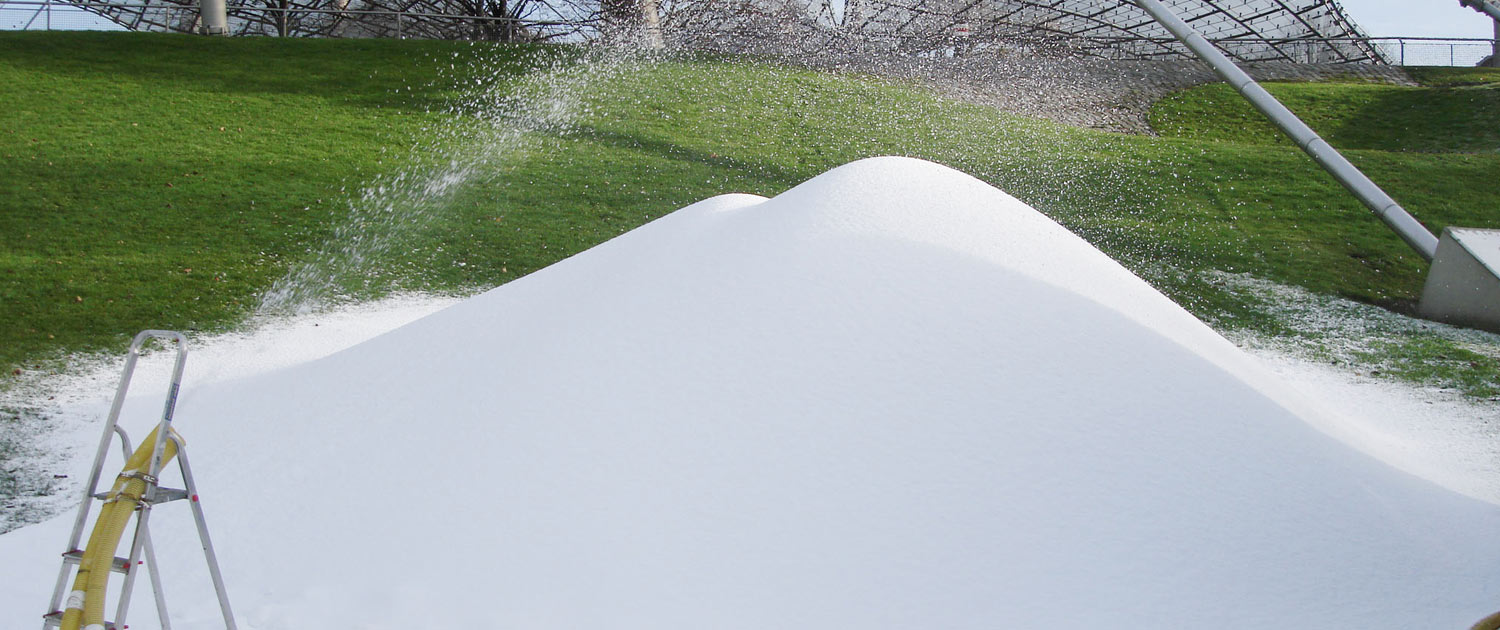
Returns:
<point x="891" y="397"/>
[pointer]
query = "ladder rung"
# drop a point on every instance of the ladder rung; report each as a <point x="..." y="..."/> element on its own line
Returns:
<point x="163" y="495"/>
<point x="54" y="620"/>
<point x="118" y="565"/>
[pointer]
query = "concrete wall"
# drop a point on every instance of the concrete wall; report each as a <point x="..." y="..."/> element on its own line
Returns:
<point x="1463" y="286"/>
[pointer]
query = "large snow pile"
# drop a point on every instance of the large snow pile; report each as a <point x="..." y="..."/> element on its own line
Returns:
<point x="892" y="397"/>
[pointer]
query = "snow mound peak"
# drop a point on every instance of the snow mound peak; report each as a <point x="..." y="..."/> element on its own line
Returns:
<point x="892" y="397"/>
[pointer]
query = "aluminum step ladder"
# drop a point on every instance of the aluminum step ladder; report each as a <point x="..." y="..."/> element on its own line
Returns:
<point x="154" y="495"/>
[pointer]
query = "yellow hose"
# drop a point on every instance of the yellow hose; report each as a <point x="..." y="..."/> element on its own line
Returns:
<point x="86" y="602"/>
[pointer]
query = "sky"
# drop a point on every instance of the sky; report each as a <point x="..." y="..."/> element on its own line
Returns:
<point x="1417" y="18"/>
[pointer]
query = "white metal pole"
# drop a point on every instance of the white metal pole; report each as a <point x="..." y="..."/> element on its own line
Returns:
<point x="1320" y="151"/>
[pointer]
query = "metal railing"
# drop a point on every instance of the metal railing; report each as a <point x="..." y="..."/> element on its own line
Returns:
<point x="1434" y="51"/>
<point x="1399" y="51"/>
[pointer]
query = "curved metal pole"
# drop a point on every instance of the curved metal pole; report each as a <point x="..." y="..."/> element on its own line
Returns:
<point x="1491" y="9"/>
<point x="1483" y="6"/>
<point x="1320" y="151"/>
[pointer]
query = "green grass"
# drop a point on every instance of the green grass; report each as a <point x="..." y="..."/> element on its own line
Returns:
<point x="160" y="181"/>
<point x="1457" y="116"/>
<point x="1431" y="147"/>
<point x="1443" y="77"/>
<point x="122" y="179"/>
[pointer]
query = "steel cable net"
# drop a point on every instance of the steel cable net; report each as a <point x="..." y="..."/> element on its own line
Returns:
<point x="502" y="20"/>
<point x="1300" y="31"/>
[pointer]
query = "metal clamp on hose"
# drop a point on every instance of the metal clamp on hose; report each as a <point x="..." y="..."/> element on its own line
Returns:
<point x="136" y="474"/>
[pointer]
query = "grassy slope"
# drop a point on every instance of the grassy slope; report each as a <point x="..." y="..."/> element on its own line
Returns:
<point x="1451" y="117"/>
<point x="158" y="181"/>
<point x="653" y="141"/>
<point x="1429" y="147"/>
<point x="1434" y="148"/>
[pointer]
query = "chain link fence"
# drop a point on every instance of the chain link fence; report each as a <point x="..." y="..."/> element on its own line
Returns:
<point x="1424" y="51"/>
<point x="51" y="16"/>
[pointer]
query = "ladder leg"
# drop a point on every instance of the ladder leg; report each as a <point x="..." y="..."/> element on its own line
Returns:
<point x="208" y="545"/>
<point x="154" y="466"/>
<point x="111" y="426"/>
<point x="141" y="538"/>
<point x="154" y="572"/>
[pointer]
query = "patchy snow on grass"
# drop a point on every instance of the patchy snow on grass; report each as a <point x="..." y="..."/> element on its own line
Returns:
<point x="1346" y="355"/>
<point x="57" y="415"/>
<point x="1330" y="328"/>
<point x="1433" y="433"/>
<point x="891" y="397"/>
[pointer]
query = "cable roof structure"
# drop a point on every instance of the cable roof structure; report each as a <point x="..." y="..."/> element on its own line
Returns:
<point x="1299" y="31"/>
<point x="505" y="20"/>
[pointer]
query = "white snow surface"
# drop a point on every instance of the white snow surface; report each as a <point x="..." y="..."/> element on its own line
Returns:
<point x="892" y="397"/>
<point x="1483" y="244"/>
